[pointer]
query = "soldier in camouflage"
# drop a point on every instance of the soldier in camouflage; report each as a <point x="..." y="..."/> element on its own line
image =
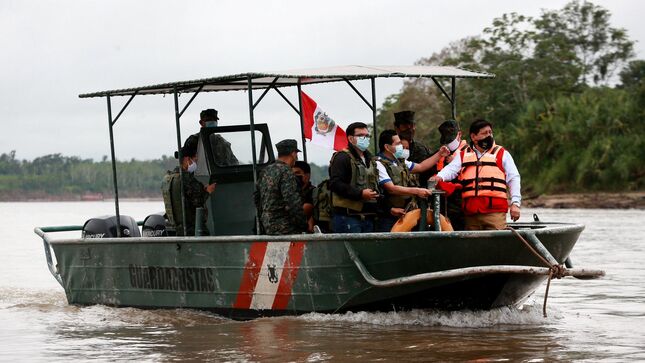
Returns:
<point x="404" y="124"/>
<point x="195" y="193"/>
<point x="278" y="198"/>
<point x="220" y="147"/>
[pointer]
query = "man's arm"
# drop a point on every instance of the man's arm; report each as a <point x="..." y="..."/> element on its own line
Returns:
<point x="450" y="171"/>
<point x="513" y="180"/>
<point x="431" y="161"/>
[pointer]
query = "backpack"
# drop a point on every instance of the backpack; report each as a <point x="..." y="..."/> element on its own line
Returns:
<point x="322" y="202"/>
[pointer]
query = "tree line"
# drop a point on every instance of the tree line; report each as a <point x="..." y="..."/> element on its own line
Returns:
<point x="567" y="100"/>
<point x="69" y="177"/>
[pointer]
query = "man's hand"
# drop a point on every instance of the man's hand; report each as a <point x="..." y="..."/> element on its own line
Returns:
<point x="444" y="151"/>
<point x="436" y="178"/>
<point x="422" y="192"/>
<point x="397" y="212"/>
<point x="369" y="194"/>
<point x="210" y="187"/>
<point x="515" y="212"/>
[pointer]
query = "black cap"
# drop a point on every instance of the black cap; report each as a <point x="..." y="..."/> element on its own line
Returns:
<point x="208" y="115"/>
<point x="287" y="146"/>
<point x="403" y="117"/>
<point x="190" y="146"/>
<point x="448" y="131"/>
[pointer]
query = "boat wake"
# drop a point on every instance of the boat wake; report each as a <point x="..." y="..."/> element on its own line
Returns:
<point x="525" y="315"/>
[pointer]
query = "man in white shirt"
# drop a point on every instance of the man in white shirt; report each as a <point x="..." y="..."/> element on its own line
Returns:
<point x="488" y="175"/>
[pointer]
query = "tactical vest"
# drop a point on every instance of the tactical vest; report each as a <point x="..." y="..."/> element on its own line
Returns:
<point x="363" y="177"/>
<point x="400" y="176"/>
<point x="171" y="191"/>
<point x="483" y="177"/>
<point x="322" y="202"/>
<point x="442" y="161"/>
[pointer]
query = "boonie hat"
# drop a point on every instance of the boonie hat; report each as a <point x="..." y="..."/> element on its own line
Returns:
<point x="287" y="146"/>
<point x="448" y="131"/>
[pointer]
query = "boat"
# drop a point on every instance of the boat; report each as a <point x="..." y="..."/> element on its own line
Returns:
<point x="240" y="274"/>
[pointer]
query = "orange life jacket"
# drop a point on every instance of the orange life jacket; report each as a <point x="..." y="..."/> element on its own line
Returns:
<point x="484" y="176"/>
<point x="442" y="161"/>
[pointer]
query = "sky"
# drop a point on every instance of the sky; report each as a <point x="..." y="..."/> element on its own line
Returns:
<point x="52" y="51"/>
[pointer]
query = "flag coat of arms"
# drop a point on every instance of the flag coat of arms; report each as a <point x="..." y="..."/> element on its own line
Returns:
<point x="319" y="128"/>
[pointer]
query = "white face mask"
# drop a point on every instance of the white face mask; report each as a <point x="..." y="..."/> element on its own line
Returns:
<point x="192" y="167"/>
<point x="405" y="154"/>
<point x="454" y="144"/>
<point x="210" y="124"/>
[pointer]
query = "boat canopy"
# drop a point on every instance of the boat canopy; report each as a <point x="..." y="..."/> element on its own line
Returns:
<point x="294" y="77"/>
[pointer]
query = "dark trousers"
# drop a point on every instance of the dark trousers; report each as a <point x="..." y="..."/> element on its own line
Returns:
<point x="385" y="223"/>
<point x="344" y="223"/>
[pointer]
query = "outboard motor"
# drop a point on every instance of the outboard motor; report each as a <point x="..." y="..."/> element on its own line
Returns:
<point x="105" y="227"/>
<point x="156" y="225"/>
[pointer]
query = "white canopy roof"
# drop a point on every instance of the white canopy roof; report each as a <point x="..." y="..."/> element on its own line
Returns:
<point x="292" y="77"/>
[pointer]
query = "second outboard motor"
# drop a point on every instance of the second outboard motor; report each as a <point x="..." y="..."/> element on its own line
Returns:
<point x="155" y="225"/>
<point x="105" y="227"/>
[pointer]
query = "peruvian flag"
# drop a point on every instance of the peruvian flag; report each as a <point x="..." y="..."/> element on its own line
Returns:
<point x="319" y="128"/>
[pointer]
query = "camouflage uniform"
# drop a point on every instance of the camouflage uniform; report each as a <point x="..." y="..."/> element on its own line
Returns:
<point x="280" y="202"/>
<point x="418" y="153"/>
<point x="195" y="197"/>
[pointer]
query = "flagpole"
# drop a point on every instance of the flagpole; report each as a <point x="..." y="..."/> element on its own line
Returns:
<point x="302" y="123"/>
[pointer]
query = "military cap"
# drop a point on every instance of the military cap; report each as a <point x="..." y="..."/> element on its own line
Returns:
<point x="190" y="146"/>
<point x="403" y="117"/>
<point x="208" y="115"/>
<point x="287" y="146"/>
<point x="448" y="131"/>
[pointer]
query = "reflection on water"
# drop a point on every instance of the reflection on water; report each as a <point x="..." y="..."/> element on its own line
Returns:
<point x="588" y="320"/>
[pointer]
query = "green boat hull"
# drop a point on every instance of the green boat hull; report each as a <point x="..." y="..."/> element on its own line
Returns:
<point x="246" y="277"/>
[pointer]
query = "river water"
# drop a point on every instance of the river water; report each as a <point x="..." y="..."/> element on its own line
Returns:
<point x="597" y="320"/>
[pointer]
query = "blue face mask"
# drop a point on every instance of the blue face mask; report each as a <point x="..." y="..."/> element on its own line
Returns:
<point x="398" y="151"/>
<point x="362" y="142"/>
<point x="210" y="124"/>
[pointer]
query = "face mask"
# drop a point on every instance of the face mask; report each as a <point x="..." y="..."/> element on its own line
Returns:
<point x="398" y="151"/>
<point x="406" y="154"/>
<point x="210" y="124"/>
<point x="362" y="142"/>
<point x="486" y="143"/>
<point x="453" y="145"/>
<point x="192" y="167"/>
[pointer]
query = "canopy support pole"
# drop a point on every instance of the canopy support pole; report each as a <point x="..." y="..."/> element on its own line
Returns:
<point x="373" y="83"/>
<point x="116" y="187"/>
<point x="180" y="157"/>
<point x="252" y="129"/>
<point x="266" y="90"/>
<point x="453" y="92"/>
<point x="124" y="107"/>
<point x="190" y="100"/>
<point x="286" y="100"/>
<point x="302" y="121"/>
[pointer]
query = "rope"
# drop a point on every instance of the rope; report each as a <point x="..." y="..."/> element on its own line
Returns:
<point x="556" y="270"/>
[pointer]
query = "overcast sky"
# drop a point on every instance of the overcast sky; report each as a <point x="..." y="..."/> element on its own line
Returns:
<point x="51" y="51"/>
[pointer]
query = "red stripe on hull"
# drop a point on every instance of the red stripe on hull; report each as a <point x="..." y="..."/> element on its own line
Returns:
<point x="250" y="277"/>
<point x="289" y="275"/>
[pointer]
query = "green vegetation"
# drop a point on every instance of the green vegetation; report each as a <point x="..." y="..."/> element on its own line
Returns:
<point x="62" y="177"/>
<point x="65" y="177"/>
<point x="552" y="101"/>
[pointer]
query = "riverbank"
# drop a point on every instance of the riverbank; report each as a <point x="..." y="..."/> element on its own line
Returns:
<point x="557" y="201"/>
<point x="588" y="200"/>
